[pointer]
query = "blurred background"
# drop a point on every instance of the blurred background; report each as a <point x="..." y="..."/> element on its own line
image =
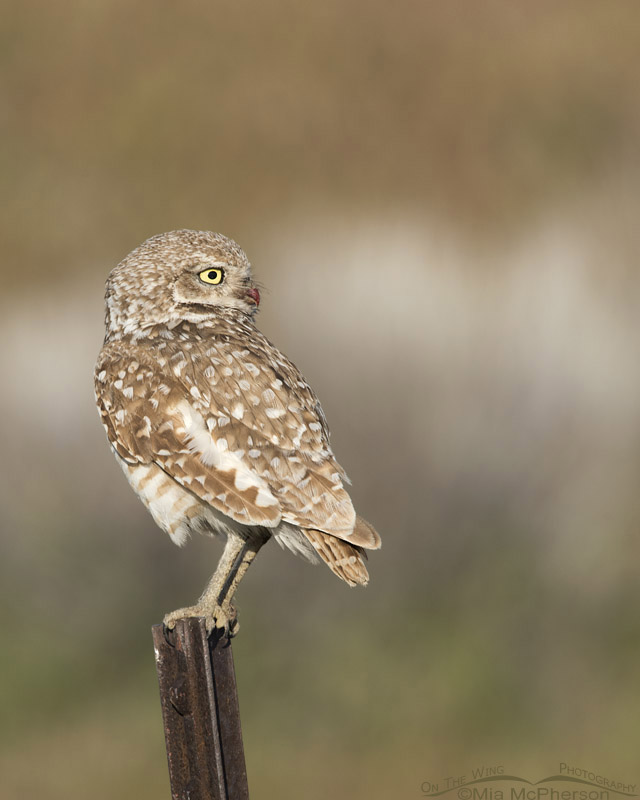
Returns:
<point x="442" y="200"/>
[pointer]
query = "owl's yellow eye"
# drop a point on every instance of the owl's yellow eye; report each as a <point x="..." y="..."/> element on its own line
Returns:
<point x="212" y="275"/>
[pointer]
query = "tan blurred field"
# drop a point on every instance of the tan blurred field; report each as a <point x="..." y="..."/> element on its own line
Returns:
<point x="442" y="201"/>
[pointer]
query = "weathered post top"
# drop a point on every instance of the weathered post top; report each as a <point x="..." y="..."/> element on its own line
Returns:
<point x="200" y="712"/>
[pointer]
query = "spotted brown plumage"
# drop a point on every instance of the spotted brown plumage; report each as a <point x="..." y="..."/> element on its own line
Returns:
<point x="216" y="430"/>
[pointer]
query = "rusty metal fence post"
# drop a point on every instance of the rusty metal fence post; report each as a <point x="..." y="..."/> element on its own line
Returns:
<point x="200" y="712"/>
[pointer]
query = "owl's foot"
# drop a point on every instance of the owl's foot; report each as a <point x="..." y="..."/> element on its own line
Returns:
<point x="216" y="616"/>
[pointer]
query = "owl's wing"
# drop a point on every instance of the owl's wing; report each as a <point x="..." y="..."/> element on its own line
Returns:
<point x="149" y="418"/>
<point x="257" y="404"/>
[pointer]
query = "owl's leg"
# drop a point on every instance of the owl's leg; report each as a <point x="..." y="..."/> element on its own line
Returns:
<point x="215" y="602"/>
<point x="241" y="565"/>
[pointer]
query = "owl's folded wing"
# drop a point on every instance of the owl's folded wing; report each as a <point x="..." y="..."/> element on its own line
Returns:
<point x="257" y="404"/>
<point x="147" y="421"/>
<point x="247" y="439"/>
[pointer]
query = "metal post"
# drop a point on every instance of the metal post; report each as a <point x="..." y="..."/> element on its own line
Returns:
<point x="200" y="712"/>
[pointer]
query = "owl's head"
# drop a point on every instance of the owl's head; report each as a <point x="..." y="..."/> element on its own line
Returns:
<point x="181" y="275"/>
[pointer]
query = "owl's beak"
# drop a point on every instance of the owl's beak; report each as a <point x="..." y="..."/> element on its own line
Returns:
<point x="254" y="295"/>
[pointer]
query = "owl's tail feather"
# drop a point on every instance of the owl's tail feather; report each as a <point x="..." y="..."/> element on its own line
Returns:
<point x="342" y="558"/>
<point x="365" y="535"/>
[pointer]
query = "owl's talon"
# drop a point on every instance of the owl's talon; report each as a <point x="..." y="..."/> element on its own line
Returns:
<point x="220" y="617"/>
<point x="225" y="620"/>
<point x="233" y="626"/>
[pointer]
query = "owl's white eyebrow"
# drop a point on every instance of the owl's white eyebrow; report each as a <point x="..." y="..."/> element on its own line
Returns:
<point x="208" y="264"/>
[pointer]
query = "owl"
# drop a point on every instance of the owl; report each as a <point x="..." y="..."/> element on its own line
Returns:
<point x="214" y="428"/>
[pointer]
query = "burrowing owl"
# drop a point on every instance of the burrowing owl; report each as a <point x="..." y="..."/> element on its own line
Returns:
<point x="215" y="429"/>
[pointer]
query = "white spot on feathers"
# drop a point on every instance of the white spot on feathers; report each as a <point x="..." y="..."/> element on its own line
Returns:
<point x="213" y="453"/>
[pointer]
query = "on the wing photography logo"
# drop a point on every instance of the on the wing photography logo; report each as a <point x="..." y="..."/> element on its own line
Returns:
<point x="495" y="783"/>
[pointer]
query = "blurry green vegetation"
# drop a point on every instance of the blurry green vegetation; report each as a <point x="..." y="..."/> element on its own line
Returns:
<point x="443" y="200"/>
<point x="358" y="696"/>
